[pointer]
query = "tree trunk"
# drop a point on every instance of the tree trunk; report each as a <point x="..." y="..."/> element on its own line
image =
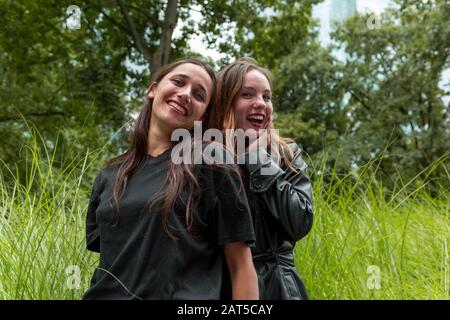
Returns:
<point x="137" y="39"/>
<point x="162" y="54"/>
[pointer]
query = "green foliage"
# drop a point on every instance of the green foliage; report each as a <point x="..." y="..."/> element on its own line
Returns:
<point x="57" y="79"/>
<point x="393" y="76"/>
<point x="308" y="98"/>
<point x="265" y="29"/>
<point x="370" y="243"/>
<point x="42" y="219"/>
<point x="382" y="95"/>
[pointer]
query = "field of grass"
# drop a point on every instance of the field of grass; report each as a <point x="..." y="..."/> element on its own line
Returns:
<point x="364" y="244"/>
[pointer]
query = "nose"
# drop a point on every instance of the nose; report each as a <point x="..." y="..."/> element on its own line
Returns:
<point x="184" y="94"/>
<point x="259" y="103"/>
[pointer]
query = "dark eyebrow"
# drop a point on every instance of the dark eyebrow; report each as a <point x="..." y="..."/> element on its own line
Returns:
<point x="185" y="76"/>
<point x="251" y="88"/>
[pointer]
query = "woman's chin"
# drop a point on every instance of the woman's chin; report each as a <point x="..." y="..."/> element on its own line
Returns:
<point x="177" y="122"/>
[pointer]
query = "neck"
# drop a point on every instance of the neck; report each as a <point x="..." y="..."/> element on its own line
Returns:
<point x="158" y="140"/>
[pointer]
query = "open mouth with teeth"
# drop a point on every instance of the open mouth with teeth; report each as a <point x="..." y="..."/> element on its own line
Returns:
<point x="256" y="120"/>
<point x="177" y="108"/>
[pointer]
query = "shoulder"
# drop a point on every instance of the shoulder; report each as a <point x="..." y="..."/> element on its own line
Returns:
<point x="291" y="149"/>
<point x="109" y="171"/>
<point x="106" y="175"/>
<point x="291" y="154"/>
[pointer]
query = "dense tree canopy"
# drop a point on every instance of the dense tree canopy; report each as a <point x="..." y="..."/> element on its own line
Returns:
<point x="384" y="94"/>
<point x="384" y="91"/>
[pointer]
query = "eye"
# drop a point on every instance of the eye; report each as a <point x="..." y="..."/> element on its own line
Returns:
<point x="200" y="97"/>
<point x="246" y="94"/>
<point x="178" y="82"/>
<point x="267" y="98"/>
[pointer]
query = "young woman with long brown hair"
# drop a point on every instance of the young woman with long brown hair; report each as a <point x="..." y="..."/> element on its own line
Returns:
<point x="280" y="199"/>
<point x="166" y="230"/>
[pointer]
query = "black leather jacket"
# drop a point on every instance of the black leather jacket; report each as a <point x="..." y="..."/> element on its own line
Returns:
<point x="281" y="206"/>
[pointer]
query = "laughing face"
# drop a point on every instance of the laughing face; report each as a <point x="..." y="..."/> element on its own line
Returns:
<point x="253" y="106"/>
<point x="181" y="97"/>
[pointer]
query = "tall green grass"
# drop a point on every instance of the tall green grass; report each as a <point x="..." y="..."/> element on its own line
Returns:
<point x="365" y="243"/>
<point x="42" y="218"/>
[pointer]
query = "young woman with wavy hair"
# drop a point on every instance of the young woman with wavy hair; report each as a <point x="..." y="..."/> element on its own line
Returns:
<point x="279" y="197"/>
<point x="167" y="230"/>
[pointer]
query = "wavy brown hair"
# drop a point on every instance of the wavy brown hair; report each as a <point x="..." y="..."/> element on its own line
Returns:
<point x="229" y="85"/>
<point x="180" y="176"/>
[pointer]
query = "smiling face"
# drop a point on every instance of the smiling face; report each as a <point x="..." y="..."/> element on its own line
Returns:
<point x="181" y="97"/>
<point x="253" y="105"/>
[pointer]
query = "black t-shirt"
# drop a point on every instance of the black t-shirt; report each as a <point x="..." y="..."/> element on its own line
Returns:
<point x="138" y="260"/>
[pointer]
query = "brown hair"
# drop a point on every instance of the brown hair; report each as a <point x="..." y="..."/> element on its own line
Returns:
<point x="229" y="85"/>
<point x="179" y="176"/>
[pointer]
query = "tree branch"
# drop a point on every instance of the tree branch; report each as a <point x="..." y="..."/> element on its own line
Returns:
<point x="162" y="54"/>
<point x="360" y="100"/>
<point x="138" y="40"/>
<point x="141" y="12"/>
<point x="114" y="22"/>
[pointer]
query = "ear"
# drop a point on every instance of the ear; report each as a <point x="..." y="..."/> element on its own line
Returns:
<point x="151" y="90"/>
